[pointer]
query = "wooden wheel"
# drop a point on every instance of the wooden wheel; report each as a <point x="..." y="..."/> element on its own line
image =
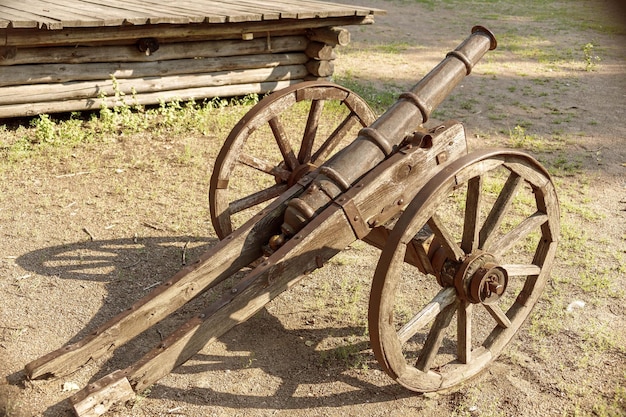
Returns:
<point x="493" y="223"/>
<point x="283" y="137"/>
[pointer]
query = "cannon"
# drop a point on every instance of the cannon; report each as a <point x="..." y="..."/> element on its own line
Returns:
<point x="465" y="235"/>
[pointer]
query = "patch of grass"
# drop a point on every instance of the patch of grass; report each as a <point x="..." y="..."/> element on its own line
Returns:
<point x="563" y="165"/>
<point x="549" y="318"/>
<point x="519" y="138"/>
<point x="380" y="99"/>
<point x="392" y="48"/>
<point x="49" y="134"/>
<point x="614" y="406"/>
<point x="140" y="398"/>
<point x="580" y="209"/>
<point x="600" y="337"/>
<point x="350" y="354"/>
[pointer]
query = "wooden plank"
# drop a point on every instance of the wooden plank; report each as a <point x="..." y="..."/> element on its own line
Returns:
<point x="146" y="14"/>
<point x="110" y="16"/>
<point x="170" y="51"/>
<point x="266" y="12"/>
<point x="269" y="9"/>
<point x="119" y="9"/>
<point x="206" y="11"/>
<point x="303" y="10"/>
<point x="23" y="19"/>
<point x="66" y="14"/>
<point x="57" y="14"/>
<point x="61" y="73"/>
<point x="95" y="400"/>
<point x="234" y="13"/>
<point x="310" y="9"/>
<point x="175" y="14"/>
<point x="74" y="36"/>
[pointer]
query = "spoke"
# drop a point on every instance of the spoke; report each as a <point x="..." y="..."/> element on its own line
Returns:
<point x="498" y="315"/>
<point x="521" y="270"/>
<point x="445" y="238"/>
<point x="333" y="140"/>
<point x="264" y="166"/>
<point x="499" y="209"/>
<point x="444" y="298"/>
<point x="506" y="242"/>
<point x="257" y="198"/>
<point x="283" y="143"/>
<point x="469" y="242"/>
<point x="435" y="338"/>
<point x="310" y="131"/>
<point x="464" y="332"/>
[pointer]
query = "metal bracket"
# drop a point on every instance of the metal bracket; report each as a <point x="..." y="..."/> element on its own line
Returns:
<point x="388" y="212"/>
<point x="354" y="216"/>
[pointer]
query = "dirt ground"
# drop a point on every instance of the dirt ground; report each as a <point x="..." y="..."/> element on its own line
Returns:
<point x="81" y="238"/>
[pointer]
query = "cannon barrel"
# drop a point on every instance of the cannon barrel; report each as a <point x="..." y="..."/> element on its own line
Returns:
<point x="378" y="141"/>
<point x="393" y="190"/>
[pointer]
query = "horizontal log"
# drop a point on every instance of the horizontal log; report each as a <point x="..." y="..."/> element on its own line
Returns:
<point x="321" y="68"/>
<point x="330" y="35"/>
<point x="32" y="109"/>
<point x="166" y="51"/>
<point x="312" y="77"/>
<point x="321" y="51"/>
<point x="58" y="73"/>
<point x="81" y="36"/>
<point x="88" y="89"/>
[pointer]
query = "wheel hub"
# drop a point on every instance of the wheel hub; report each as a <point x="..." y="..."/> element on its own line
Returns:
<point x="300" y="172"/>
<point x="478" y="278"/>
<point x="487" y="284"/>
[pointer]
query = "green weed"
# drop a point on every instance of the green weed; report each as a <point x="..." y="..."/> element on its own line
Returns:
<point x="591" y="60"/>
<point x="350" y="354"/>
<point x="520" y="139"/>
<point x="44" y="129"/>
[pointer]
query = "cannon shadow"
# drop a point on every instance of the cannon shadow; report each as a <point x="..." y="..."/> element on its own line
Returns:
<point x="293" y="358"/>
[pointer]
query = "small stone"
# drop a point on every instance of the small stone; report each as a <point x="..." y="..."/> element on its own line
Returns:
<point x="70" y="386"/>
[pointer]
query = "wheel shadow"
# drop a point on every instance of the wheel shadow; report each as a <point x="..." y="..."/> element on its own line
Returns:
<point x="129" y="267"/>
<point x="304" y="373"/>
<point x="293" y="358"/>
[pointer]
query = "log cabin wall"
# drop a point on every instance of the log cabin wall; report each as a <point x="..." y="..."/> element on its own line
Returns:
<point x="76" y="55"/>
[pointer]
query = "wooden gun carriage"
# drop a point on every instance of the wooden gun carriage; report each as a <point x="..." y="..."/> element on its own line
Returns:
<point x="465" y="235"/>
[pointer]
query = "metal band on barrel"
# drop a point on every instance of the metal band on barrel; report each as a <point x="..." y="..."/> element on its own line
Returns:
<point x="417" y="102"/>
<point x="337" y="178"/>
<point x="383" y="143"/>
<point x="464" y="59"/>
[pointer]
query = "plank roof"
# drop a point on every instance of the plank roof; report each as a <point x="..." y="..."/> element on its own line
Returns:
<point x="60" y="14"/>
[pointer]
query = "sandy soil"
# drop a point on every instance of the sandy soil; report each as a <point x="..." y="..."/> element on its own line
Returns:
<point x="84" y="237"/>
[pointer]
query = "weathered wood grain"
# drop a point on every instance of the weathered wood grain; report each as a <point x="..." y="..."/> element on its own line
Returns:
<point x="63" y="73"/>
<point x="64" y="42"/>
<point x="30" y="109"/>
<point x="167" y="51"/>
<point x="59" y="14"/>
<point x="130" y="87"/>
